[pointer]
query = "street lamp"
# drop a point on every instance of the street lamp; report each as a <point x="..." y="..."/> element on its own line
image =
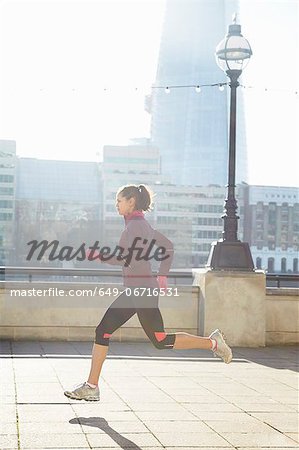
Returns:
<point x="232" y="55"/>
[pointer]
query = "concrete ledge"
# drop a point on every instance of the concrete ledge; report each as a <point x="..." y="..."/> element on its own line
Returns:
<point x="234" y="302"/>
<point x="283" y="292"/>
<point x="282" y="316"/>
<point x="198" y="310"/>
<point x="124" y="334"/>
<point x="75" y="318"/>
<point x="283" y="337"/>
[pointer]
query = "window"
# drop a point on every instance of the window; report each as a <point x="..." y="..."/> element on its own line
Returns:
<point x="208" y="234"/>
<point x="5" y="216"/>
<point x="258" y="263"/>
<point x="295" y="265"/>
<point x="209" y="221"/>
<point x="260" y="206"/>
<point x="6" y="204"/>
<point x="210" y="208"/>
<point x="203" y="259"/>
<point x="203" y="247"/>
<point x="6" y="191"/>
<point x="125" y="160"/>
<point x="270" y="265"/>
<point x="162" y="219"/>
<point x="283" y="265"/>
<point x="6" y="178"/>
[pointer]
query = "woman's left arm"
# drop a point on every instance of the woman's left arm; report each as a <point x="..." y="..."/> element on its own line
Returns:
<point x="168" y="252"/>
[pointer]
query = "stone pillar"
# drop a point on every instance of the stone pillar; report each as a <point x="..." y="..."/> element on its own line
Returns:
<point x="234" y="302"/>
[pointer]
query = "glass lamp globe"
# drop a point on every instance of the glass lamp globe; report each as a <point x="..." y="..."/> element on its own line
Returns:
<point x="234" y="51"/>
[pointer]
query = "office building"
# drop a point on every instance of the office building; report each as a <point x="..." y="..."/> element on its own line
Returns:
<point x="54" y="200"/>
<point x="189" y="128"/>
<point x="7" y="198"/>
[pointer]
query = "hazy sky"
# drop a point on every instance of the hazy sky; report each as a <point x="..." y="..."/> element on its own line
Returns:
<point x="58" y="57"/>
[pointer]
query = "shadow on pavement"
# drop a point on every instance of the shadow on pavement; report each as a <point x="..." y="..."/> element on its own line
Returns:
<point x="282" y="358"/>
<point x="277" y="357"/>
<point x="102" y="424"/>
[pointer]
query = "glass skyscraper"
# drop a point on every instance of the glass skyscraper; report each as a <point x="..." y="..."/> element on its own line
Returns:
<point x="191" y="128"/>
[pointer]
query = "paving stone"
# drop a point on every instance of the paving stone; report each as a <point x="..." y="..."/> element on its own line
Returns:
<point x="7" y="413"/>
<point x="101" y="425"/>
<point x="43" y="399"/>
<point x="7" y="399"/>
<point x="225" y="416"/>
<point x="222" y="407"/>
<point x="202" y="439"/>
<point x="294" y="436"/>
<point x="173" y="426"/>
<point x="249" y="399"/>
<point x="49" y="427"/>
<point x="133" y="397"/>
<point x="113" y="416"/>
<point x="208" y="398"/>
<point x="238" y="427"/>
<point x="140" y="406"/>
<point x="268" y="448"/>
<point x="33" y="441"/>
<point x="164" y="415"/>
<point x="101" y="406"/>
<point x="135" y="448"/>
<point x="276" y="418"/>
<point x="274" y="438"/>
<point x="201" y="448"/>
<point x="177" y="382"/>
<point x="124" y="440"/>
<point x="8" y="441"/>
<point x="8" y="428"/>
<point x="285" y="427"/>
<point x="45" y="413"/>
<point x="264" y="407"/>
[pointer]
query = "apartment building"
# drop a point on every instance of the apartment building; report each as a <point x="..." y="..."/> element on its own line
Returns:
<point x="272" y="227"/>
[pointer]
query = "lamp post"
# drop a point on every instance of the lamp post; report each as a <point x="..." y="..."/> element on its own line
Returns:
<point x="229" y="253"/>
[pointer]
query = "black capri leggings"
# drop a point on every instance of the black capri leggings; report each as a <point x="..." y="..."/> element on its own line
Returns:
<point x="146" y="307"/>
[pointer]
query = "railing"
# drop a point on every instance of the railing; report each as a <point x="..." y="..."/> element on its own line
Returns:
<point x="282" y="280"/>
<point x="56" y="274"/>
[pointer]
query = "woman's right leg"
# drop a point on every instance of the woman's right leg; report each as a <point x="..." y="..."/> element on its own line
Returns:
<point x="119" y="312"/>
<point x="116" y="315"/>
<point x="99" y="353"/>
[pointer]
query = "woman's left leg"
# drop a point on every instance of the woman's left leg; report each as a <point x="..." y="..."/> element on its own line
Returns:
<point x="189" y="341"/>
<point x="152" y="323"/>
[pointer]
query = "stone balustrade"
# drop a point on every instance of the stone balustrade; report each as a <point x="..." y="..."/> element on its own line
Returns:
<point x="238" y="303"/>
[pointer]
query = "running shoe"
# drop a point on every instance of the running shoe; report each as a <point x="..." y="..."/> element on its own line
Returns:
<point x="222" y="349"/>
<point x="84" y="392"/>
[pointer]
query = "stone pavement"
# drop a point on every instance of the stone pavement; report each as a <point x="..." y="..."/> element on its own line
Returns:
<point x="151" y="399"/>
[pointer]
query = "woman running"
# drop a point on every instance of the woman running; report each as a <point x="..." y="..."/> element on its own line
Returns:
<point x="131" y="202"/>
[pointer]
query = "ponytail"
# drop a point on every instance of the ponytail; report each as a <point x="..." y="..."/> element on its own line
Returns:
<point x="142" y="194"/>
